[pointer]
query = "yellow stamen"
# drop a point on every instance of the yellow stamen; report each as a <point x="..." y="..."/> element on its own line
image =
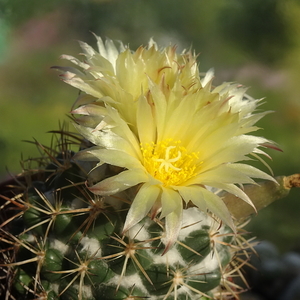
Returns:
<point x="171" y="164"/>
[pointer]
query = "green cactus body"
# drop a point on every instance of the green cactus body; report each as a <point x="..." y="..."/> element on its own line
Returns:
<point x="69" y="244"/>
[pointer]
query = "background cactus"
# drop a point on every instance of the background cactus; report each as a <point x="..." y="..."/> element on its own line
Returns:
<point x="59" y="241"/>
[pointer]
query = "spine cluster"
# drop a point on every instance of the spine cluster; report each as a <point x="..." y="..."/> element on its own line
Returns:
<point x="59" y="241"/>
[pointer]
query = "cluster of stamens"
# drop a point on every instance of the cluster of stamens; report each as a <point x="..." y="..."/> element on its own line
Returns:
<point x="170" y="162"/>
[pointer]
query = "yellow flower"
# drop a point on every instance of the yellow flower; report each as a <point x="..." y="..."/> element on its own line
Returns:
<point x="175" y="135"/>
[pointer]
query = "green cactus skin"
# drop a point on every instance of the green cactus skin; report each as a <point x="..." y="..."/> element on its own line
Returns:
<point x="59" y="241"/>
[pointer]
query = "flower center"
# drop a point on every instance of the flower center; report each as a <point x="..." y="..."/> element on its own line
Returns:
<point x="169" y="162"/>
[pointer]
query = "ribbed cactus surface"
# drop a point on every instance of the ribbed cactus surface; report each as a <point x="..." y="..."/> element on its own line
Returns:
<point x="59" y="241"/>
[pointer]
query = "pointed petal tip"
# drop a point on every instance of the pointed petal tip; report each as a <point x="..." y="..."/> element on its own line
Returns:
<point x="124" y="230"/>
<point x="127" y="226"/>
<point x="129" y="223"/>
<point x="173" y="226"/>
<point x="272" y="146"/>
<point x="99" y="191"/>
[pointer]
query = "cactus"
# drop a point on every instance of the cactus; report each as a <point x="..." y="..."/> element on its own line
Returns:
<point x="71" y="230"/>
<point x="60" y="241"/>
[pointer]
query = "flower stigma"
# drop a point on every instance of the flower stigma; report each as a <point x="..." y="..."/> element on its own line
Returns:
<point x="169" y="162"/>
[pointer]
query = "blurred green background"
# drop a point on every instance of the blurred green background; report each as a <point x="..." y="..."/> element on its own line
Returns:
<point x="253" y="42"/>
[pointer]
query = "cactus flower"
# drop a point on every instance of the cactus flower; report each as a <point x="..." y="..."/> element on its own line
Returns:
<point x="173" y="134"/>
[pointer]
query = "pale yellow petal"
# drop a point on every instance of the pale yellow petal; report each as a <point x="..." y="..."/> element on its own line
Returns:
<point x="142" y="203"/>
<point x="160" y="106"/>
<point x="145" y="121"/>
<point x="251" y="171"/>
<point x="204" y="200"/>
<point x="87" y="86"/>
<point x="228" y="173"/>
<point x="106" y="138"/>
<point x="118" y="183"/>
<point x="173" y="226"/>
<point x="123" y="130"/>
<point x="108" y="50"/>
<point x="192" y="193"/>
<point x="233" y="150"/>
<point x="91" y="110"/>
<point x="116" y="158"/>
<point x="170" y="200"/>
<point x="216" y="206"/>
<point x="233" y="189"/>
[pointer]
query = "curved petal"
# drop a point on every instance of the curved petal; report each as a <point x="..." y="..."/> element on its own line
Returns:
<point x="193" y="193"/>
<point x="173" y="226"/>
<point x="251" y="171"/>
<point x="160" y="107"/>
<point x="233" y="150"/>
<point x="237" y="173"/>
<point x="86" y="86"/>
<point x="233" y="189"/>
<point x="118" y="183"/>
<point x="90" y="109"/>
<point x="205" y="199"/>
<point x="123" y="131"/>
<point x="108" y="50"/>
<point x="216" y="205"/>
<point x="107" y="139"/>
<point x="145" y="121"/>
<point x="116" y="158"/>
<point x="222" y="173"/>
<point x="170" y="200"/>
<point x="142" y="203"/>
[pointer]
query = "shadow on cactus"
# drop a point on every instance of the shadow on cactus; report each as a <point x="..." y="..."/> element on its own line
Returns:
<point x="149" y="200"/>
